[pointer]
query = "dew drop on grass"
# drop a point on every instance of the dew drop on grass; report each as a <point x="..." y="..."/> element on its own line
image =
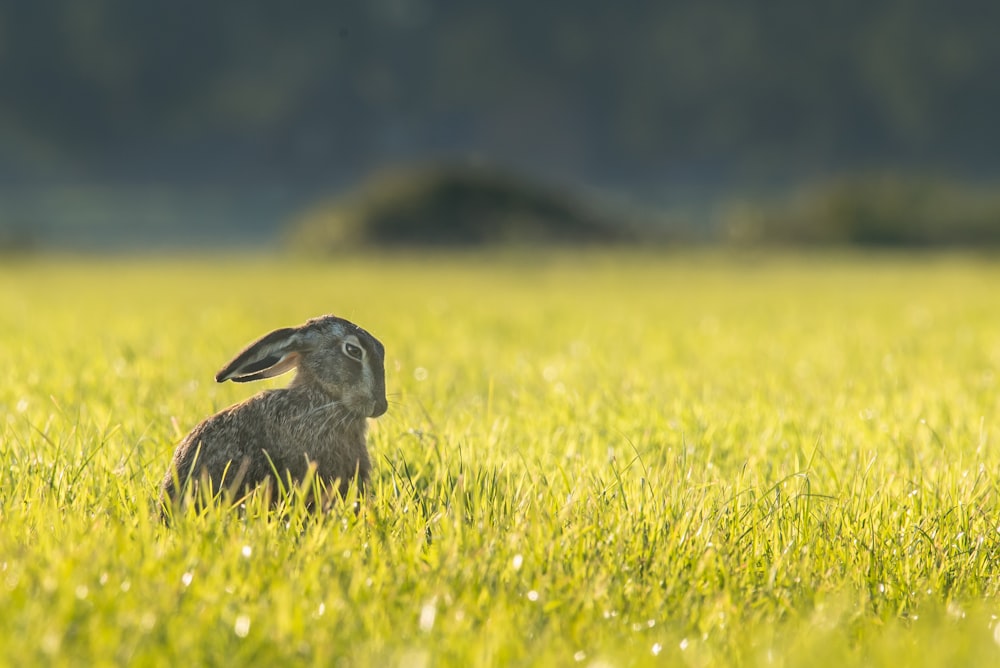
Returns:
<point x="684" y="644"/>
<point x="246" y="551"/>
<point x="51" y="642"/>
<point x="22" y="405"/>
<point x="82" y="592"/>
<point x="427" y="615"/>
<point x="532" y="595"/>
<point x="580" y="656"/>
<point x="656" y="649"/>
<point x="187" y="578"/>
<point x="516" y="562"/>
<point x="242" y="626"/>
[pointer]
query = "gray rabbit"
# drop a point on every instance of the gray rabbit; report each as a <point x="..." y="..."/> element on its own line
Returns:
<point x="319" y="420"/>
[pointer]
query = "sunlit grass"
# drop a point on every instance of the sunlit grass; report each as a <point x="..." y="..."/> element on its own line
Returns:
<point x="599" y="459"/>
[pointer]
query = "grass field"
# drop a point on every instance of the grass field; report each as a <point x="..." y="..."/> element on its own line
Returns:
<point x="598" y="460"/>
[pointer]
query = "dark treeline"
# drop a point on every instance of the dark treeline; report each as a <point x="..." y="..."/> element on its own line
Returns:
<point x="630" y="94"/>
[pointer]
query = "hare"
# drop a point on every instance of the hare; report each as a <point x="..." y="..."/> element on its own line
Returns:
<point x="319" y="420"/>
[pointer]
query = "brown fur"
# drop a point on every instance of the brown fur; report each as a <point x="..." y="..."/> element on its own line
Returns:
<point x="319" y="420"/>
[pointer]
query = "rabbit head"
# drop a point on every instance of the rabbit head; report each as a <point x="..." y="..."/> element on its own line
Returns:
<point x="330" y="354"/>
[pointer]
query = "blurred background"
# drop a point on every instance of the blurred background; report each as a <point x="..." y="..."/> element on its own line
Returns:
<point x="326" y="125"/>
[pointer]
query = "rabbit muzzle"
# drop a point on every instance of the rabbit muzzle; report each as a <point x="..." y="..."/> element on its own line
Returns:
<point x="379" y="407"/>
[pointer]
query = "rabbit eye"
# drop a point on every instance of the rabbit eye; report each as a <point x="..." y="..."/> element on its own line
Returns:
<point x="353" y="351"/>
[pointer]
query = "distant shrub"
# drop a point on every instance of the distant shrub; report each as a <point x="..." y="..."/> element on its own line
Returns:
<point x="17" y="240"/>
<point x="452" y="206"/>
<point x="876" y="210"/>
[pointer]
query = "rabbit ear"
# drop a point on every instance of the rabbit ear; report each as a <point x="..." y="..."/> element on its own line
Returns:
<point x="269" y="356"/>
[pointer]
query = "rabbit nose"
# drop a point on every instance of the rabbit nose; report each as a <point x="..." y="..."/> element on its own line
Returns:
<point x="381" y="406"/>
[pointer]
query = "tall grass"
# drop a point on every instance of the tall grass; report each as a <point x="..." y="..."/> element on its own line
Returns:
<point x="592" y="459"/>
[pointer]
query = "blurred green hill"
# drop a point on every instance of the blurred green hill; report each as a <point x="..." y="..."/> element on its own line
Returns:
<point x="873" y="210"/>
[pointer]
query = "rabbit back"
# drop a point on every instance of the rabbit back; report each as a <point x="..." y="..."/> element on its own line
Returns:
<point x="274" y="434"/>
